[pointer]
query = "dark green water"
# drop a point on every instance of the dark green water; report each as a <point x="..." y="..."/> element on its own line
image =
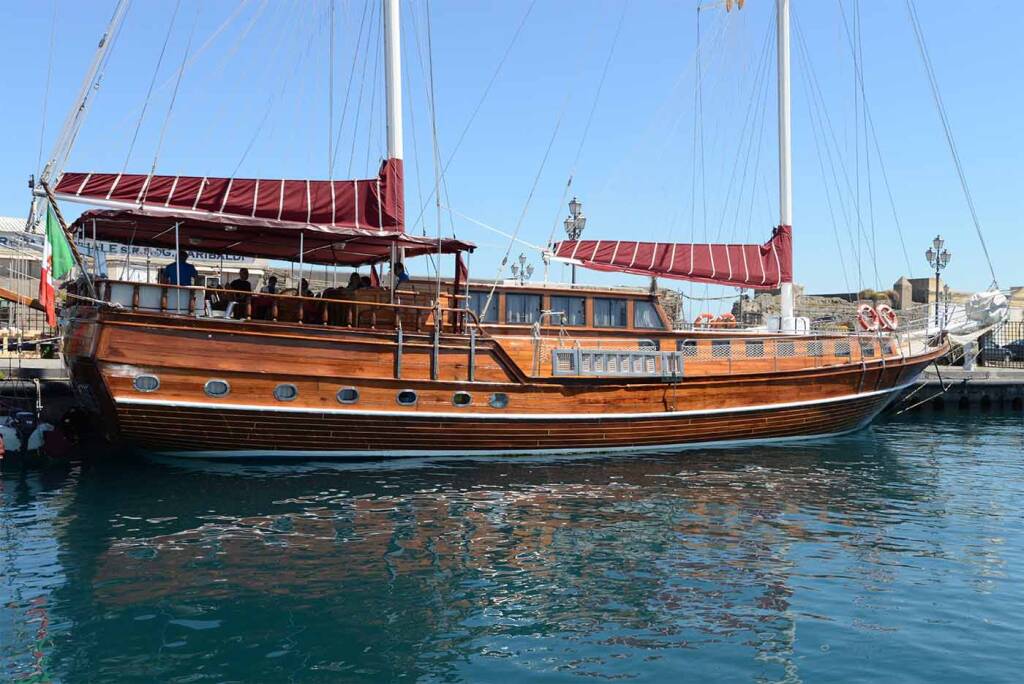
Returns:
<point x="891" y="555"/>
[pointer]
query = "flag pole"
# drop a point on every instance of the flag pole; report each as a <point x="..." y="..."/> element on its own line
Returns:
<point x="67" y="235"/>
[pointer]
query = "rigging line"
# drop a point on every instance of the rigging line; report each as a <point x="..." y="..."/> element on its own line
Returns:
<point x="375" y="87"/>
<point x="815" y="133"/>
<point x="46" y="90"/>
<point x="480" y="102"/>
<point x="835" y="160"/>
<point x="362" y="85"/>
<point x="756" y="171"/>
<point x="859" y="76"/>
<point x="437" y="149"/>
<point x="275" y="97"/>
<point x="761" y="68"/>
<point x="152" y="82"/>
<point x="878" y="150"/>
<point x="412" y="120"/>
<point x="495" y="230"/>
<point x="590" y="120"/>
<point x="529" y="197"/>
<point x="947" y="127"/>
<point x="170" y="106"/>
<point x="351" y="77"/>
<point x="330" y="97"/>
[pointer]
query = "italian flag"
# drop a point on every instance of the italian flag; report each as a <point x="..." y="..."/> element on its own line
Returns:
<point x="57" y="262"/>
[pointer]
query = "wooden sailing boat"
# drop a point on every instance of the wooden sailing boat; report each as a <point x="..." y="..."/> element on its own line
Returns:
<point x="410" y="370"/>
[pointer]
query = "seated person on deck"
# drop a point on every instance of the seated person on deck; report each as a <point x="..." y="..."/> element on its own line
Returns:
<point x="241" y="285"/>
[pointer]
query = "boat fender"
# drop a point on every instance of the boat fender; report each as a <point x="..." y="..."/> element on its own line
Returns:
<point x="9" y="435"/>
<point x="38" y="436"/>
<point x="887" y="317"/>
<point x="867" y="317"/>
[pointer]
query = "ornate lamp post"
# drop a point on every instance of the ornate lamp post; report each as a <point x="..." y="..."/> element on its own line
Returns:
<point x="522" y="270"/>
<point x="938" y="258"/>
<point x="574" y="226"/>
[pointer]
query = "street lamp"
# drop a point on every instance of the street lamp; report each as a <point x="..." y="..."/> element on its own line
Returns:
<point x="522" y="270"/>
<point x="574" y="226"/>
<point x="938" y="258"/>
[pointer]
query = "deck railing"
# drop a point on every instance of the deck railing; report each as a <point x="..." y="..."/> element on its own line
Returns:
<point x="359" y="309"/>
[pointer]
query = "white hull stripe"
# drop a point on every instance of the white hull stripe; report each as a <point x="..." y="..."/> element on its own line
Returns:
<point x="461" y="416"/>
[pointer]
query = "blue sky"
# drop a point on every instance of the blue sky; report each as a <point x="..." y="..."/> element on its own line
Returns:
<point x="261" y="84"/>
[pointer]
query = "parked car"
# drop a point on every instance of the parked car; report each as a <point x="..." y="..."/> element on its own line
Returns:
<point x="995" y="354"/>
<point x="1016" y="349"/>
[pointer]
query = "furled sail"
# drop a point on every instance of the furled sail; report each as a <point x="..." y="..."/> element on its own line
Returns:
<point x="761" y="267"/>
<point x="369" y="204"/>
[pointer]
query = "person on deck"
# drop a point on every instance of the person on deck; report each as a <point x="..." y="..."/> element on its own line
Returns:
<point x="271" y="286"/>
<point x="400" y="275"/>
<point x="353" y="282"/>
<point x="189" y="274"/>
<point x="304" y="289"/>
<point x="241" y="283"/>
<point x="365" y="283"/>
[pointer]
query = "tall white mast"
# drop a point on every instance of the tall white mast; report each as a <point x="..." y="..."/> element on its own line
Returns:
<point x="54" y="166"/>
<point x="393" y="76"/>
<point x="785" y="147"/>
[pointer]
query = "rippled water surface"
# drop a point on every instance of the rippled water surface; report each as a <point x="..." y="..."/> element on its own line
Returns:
<point x="891" y="555"/>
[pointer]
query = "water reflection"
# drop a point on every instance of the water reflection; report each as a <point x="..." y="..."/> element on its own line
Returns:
<point x="727" y="563"/>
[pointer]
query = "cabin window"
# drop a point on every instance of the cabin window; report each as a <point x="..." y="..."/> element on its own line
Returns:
<point x="867" y="347"/>
<point x="477" y="300"/>
<point x="348" y="395"/>
<point x="573" y="310"/>
<point x="815" y="348"/>
<point x="755" y="350"/>
<point x="842" y="348"/>
<point x="462" y="398"/>
<point x="649" y="345"/>
<point x="499" y="400"/>
<point x="720" y="349"/>
<point x="146" y="383"/>
<point x="217" y="388"/>
<point x="887" y="347"/>
<point x="522" y="308"/>
<point x="786" y="350"/>
<point x="406" y="398"/>
<point x="286" y="392"/>
<point x="645" y="315"/>
<point x="688" y="347"/>
<point x="609" y="313"/>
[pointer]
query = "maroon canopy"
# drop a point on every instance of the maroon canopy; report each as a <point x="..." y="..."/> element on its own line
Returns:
<point x="374" y="203"/>
<point x="762" y="267"/>
<point x="256" y="237"/>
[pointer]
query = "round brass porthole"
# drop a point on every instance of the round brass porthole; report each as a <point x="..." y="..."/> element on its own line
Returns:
<point x="406" y="398"/>
<point x="462" y="398"/>
<point x="217" y="388"/>
<point x="146" y="383"/>
<point x="286" y="392"/>
<point x="348" y="395"/>
<point x="498" y="400"/>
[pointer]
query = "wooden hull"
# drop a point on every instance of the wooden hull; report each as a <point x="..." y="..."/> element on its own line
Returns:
<point x="105" y="352"/>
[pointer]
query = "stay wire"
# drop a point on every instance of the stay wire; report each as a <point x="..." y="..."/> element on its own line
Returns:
<point x="947" y="127"/>
<point x="152" y="83"/>
<point x="46" y="90"/>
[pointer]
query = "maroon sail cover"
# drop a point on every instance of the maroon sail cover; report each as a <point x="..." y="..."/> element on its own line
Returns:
<point x="371" y="204"/>
<point x="761" y="267"/>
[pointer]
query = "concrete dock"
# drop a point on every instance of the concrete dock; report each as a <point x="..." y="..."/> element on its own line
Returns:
<point x="982" y="388"/>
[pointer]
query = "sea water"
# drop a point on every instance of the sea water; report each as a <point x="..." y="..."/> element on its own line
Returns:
<point x="894" y="554"/>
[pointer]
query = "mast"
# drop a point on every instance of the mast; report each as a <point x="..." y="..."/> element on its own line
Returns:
<point x="393" y="76"/>
<point x="785" y="148"/>
<point x="72" y="124"/>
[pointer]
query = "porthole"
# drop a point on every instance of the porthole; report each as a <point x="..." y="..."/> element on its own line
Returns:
<point x="462" y="398"/>
<point x="499" y="400"/>
<point x="348" y="395"/>
<point x="406" y="398"/>
<point x="146" y="383"/>
<point x="286" y="392"/>
<point x="217" y="388"/>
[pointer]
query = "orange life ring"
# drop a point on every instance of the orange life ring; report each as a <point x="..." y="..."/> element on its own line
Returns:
<point x="725" y="320"/>
<point x="704" y="320"/>
<point x="887" y="317"/>
<point x="868" y="318"/>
